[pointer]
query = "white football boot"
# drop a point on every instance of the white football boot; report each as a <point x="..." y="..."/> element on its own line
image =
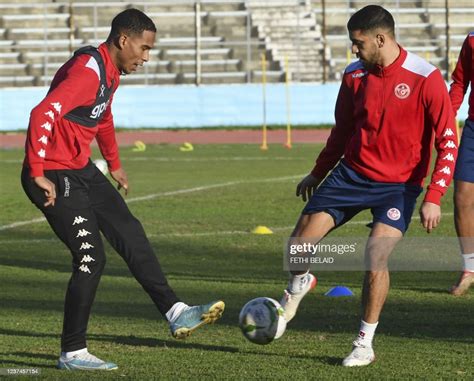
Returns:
<point x="84" y="361"/>
<point x="294" y="295"/>
<point x="360" y="355"/>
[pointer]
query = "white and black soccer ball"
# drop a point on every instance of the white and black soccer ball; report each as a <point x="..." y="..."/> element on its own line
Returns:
<point x="101" y="164"/>
<point x="261" y="320"/>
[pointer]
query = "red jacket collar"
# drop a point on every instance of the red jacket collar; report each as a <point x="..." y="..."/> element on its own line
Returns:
<point x="392" y="68"/>
<point x="107" y="59"/>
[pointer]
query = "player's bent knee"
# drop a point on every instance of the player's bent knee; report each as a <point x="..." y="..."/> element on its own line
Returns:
<point x="464" y="195"/>
<point x="315" y="225"/>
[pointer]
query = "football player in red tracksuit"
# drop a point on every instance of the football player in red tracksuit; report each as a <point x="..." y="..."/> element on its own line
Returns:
<point x="392" y="105"/>
<point x="78" y="200"/>
<point x="462" y="76"/>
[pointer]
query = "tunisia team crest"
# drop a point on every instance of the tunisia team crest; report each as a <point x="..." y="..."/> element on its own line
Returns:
<point x="394" y="214"/>
<point x="402" y="90"/>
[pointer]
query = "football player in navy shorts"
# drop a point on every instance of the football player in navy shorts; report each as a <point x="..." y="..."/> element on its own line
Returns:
<point x="392" y="105"/>
<point x="462" y="76"/>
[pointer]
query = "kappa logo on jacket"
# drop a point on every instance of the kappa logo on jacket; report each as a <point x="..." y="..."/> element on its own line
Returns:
<point x="359" y="75"/>
<point x="445" y="170"/>
<point x="449" y="157"/>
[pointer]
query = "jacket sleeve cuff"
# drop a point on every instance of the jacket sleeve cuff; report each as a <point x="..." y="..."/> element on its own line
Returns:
<point x="318" y="173"/>
<point x="36" y="171"/>
<point x="114" y="165"/>
<point x="433" y="196"/>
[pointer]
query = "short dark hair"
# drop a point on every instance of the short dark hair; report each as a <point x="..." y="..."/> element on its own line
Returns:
<point x="371" y="17"/>
<point x="131" y="22"/>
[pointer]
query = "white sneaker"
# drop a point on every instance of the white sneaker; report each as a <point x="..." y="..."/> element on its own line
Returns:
<point x="360" y="355"/>
<point x="85" y="361"/>
<point x="292" y="298"/>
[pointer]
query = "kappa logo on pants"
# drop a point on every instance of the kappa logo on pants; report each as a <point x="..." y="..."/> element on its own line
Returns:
<point x="82" y="233"/>
<point x="85" y="246"/>
<point x="79" y="220"/>
<point x="87" y="258"/>
<point x="85" y="269"/>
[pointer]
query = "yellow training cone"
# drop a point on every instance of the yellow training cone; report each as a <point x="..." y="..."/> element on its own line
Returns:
<point x="139" y="146"/>
<point x="261" y="230"/>
<point x="186" y="147"/>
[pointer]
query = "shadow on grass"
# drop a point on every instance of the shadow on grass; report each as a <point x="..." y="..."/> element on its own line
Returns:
<point x="29" y="355"/>
<point x="415" y="316"/>
<point x="144" y="342"/>
<point x="117" y="339"/>
<point x="178" y="256"/>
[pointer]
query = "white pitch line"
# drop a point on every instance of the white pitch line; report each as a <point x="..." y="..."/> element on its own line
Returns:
<point x="212" y="186"/>
<point x="206" y="234"/>
<point x="11" y="161"/>
<point x="189" y="159"/>
<point x="207" y="159"/>
<point x="170" y="193"/>
<point x="21" y="223"/>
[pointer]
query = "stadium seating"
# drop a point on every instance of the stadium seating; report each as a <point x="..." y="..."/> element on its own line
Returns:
<point x="294" y="37"/>
<point x="420" y="27"/>
<point x="38" y="36"/>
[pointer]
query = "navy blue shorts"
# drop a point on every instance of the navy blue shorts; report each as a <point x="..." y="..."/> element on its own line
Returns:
<point x="465" y="164"/>
<point x="344" y="193"/>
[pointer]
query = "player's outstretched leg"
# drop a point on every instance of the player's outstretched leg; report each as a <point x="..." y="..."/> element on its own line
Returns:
<point x="185" y="319"/>
<point x="298" y="287"/>
<point x="465" y="281"/>
<point x="83" y="360"/>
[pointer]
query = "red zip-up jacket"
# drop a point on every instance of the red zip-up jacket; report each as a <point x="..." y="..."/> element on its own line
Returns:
<point x="463" y="75"/>
<point x="54" y="142"/>
<point x="386" y="121"/>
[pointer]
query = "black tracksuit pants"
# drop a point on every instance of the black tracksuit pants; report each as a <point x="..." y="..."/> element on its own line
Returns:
<point x="87" y="204"/>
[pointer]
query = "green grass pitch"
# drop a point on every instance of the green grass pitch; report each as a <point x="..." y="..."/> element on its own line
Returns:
<point x="204" y="204"/>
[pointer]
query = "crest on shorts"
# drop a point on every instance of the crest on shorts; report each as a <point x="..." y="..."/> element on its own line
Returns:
<point x="402" y="91"/>
<point x="394" y="214"/>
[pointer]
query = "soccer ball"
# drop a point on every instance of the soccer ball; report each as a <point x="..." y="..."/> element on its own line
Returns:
<point x="101" y="164"/>
<point x="261" y="320"/>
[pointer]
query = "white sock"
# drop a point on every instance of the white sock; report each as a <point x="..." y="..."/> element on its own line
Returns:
<point x="175" y="311"/>
<point x="296" y="282"/>
<point x="468" y="262"/>
<point x="68" y="355"/>
<point x="366" y="333"/>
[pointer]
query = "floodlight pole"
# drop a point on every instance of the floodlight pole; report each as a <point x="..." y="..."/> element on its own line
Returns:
<point x="198" y="41"/>
<point x="446" y="5"/>
<point x="71" y="27"/>
<point x="323" y="33"/>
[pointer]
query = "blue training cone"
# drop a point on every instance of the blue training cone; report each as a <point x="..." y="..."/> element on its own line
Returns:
<point x="339" y="291"/>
